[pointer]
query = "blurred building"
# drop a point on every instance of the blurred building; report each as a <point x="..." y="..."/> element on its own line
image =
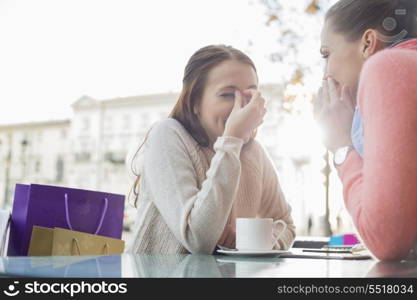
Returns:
<point x="102" y="132"/>
<point x="33" y="152"/>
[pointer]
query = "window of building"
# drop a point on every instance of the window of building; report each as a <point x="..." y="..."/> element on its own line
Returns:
<point x="126" y="122"/>
<point x="85" y="123"/>
<point x="59" y="168"/>
<point x="37" y="166"/>
<point x="145" y="120"/>
<point x="108" y="123"/>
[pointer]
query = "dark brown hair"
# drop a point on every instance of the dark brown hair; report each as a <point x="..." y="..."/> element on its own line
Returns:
<point x="394" y="19"/>
<point x="193" y="83"/>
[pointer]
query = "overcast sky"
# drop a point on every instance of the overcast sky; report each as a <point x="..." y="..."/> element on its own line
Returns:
<point x="54" y="51"/>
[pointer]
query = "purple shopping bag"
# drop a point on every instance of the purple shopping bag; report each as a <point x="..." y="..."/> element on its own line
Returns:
<point x="74" y="209"/>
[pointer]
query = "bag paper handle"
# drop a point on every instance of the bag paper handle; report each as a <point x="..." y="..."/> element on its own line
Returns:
<point x="75" y="241"/>
<point x="106" y="247"/>
<point x="106" y="204"/>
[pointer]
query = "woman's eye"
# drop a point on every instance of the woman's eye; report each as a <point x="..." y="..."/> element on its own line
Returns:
<point x="325" y="56"/>
<point x="228" y="95"/>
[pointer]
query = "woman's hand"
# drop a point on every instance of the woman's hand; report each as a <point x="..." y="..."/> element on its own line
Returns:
<point x="228" y="238"/>
<point x="245" y="118"/>
<point x="334" y="110"/>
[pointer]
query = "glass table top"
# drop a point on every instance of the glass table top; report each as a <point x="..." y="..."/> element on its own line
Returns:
<point x="178" y="266"/>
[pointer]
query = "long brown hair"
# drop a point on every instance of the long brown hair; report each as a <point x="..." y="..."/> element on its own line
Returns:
<point x="193" y="83"/>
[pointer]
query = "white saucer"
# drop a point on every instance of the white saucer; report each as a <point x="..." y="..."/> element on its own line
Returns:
<point x="235" y="252"/>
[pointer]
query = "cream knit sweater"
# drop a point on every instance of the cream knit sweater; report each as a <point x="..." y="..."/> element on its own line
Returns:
<point x="188" y="194"/>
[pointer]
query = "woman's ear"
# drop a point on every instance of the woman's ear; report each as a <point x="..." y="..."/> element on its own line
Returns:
<point x="195" y="110"/>
<point x="370" y="43"/>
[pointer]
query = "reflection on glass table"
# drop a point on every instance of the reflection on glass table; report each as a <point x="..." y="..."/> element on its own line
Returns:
<point x="191" y="266"/>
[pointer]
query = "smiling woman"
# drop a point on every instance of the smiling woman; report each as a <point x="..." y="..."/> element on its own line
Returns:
<point x="371" y="61"/>
<point x="211" y="78"/>
<point x="202" y="168"/>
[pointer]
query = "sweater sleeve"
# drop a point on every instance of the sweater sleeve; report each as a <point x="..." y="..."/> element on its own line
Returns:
<point x="380" y="192"/>
<point x="274" y="205"/>
<point x="195" y="216"/>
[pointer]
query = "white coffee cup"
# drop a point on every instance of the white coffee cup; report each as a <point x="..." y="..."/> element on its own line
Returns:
<point x="256" y="234"/>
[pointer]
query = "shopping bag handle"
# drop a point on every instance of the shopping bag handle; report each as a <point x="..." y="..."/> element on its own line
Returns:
<point x="106" y="246"/>
<point x="106" y="204"/>
<point x="75" y="241"/>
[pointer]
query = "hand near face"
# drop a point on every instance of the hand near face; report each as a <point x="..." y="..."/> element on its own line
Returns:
<point x="333" y="110"/>
<point x="245" y="118"/>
